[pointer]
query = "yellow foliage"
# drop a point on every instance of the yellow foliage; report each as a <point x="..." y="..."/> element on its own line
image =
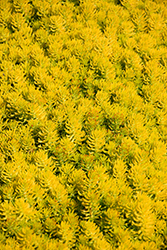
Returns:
<point x="83" y="124"/>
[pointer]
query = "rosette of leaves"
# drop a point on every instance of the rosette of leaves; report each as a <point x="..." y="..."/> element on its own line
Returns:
<point x="16" y="109"/>
<point x="96" y="141"/>
<point x="143" y="218"/>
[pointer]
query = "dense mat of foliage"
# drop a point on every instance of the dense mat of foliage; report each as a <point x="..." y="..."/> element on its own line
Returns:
<point x="83" y="124"/>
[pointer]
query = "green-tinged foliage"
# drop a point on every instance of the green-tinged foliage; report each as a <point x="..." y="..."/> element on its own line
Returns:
<point x="83" y="124"/>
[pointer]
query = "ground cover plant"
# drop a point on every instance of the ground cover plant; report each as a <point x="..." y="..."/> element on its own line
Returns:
<point x="83" y="124"/>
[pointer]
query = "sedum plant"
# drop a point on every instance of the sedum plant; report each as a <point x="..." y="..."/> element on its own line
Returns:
<point x="83" y="124"/>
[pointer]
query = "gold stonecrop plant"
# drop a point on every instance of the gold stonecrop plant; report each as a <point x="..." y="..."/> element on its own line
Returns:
<point x="83" y="124"/>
